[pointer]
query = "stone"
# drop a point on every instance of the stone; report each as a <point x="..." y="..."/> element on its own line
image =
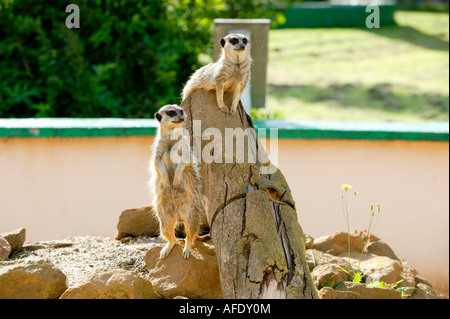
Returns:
<point x="5" y="249"/>
<point x="381" y="268"/>
<point x="407" y="275"/>
<point x="195" y="278"/>
<point x="316" y="257"/>
<point x="53" y="244"/>
<point x="328" y="275"/>
<point x="337" y="243"/>
<point x="309" y="241"/>
<point x="365" y="292"/>
<point x="330" y="293"/>
<point x="111" y="284"/>
<point x="137" y="222"/>
<point x="15" y="238"/>
<point x="31" y="278"/>
<point x="380" y="248"/>
<point x="424" y="291"/>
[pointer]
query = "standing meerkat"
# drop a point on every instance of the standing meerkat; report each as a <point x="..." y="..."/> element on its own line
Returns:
<point x="229" y="74"/>
<point x="176" y="186"/>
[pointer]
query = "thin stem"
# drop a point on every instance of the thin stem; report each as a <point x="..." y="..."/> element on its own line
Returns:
<point x="348" y="231"/>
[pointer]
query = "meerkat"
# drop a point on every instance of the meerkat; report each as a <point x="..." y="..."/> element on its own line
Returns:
<point x="229" y="74"/>
<point x="176" y="186"/>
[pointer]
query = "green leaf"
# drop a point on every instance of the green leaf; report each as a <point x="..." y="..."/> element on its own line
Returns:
<point x="339" y="285"/>
<point x="343" y="269"/>
<point x="357" y="277"/>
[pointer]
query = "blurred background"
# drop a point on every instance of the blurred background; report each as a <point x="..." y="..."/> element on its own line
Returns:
<point x="132" y="56"/>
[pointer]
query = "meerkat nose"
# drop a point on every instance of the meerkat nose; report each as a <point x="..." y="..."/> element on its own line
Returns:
<point x="242" y="46"/>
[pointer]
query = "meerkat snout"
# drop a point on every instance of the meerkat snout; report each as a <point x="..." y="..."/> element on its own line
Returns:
<point x="170" y="114"/>
<point x="236" y="42"/>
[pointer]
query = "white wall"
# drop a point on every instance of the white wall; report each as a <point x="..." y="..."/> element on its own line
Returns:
<point x="60" y="187"/>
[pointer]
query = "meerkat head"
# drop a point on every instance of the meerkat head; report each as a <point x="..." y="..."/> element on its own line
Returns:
<point x="235" y="44"/>
<point x="170" y="116"/>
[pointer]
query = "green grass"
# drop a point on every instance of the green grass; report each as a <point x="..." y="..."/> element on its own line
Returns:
<point x="395" y="73"/>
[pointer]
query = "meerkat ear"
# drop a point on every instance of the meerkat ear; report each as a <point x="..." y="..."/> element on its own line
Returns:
<point x="222" y="42"/>
<point x="158" y="116"/>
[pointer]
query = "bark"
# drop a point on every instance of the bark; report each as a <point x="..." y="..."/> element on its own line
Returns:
<point x="259" y="243"/>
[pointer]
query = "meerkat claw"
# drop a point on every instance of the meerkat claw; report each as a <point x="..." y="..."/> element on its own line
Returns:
<point x="186" y="253"/>
<point x="166" y="251"/>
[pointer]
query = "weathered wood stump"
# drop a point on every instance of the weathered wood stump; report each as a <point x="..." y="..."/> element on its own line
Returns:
<point x="259" y="243"/>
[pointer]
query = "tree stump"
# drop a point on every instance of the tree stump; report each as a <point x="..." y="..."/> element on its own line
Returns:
<point x="259" y="243"/>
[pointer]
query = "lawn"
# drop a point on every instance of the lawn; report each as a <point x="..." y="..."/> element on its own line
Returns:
<point x="395" y="73"/>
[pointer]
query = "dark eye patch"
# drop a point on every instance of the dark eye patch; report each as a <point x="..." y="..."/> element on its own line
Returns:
<point x="181" y="112"/>
<point x="171" y="113"/>
<point x="244" y="41"/>
<point x="234" y="41"/>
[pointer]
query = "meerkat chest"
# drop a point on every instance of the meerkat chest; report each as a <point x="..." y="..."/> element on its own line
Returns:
<point x="236" y="74"/>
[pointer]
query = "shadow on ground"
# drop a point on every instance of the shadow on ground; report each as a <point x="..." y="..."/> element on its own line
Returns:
<point x="378" y="97"/>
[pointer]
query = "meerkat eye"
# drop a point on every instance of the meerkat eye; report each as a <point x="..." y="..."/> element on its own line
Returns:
<point x="171" y="113"/>
<point x="245" y="41"/>
<point x="234" y="41"/>
<point x="181" y="112"/>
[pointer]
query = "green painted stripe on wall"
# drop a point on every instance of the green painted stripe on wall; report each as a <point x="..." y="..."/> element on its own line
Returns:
<point x="104" y="127"/>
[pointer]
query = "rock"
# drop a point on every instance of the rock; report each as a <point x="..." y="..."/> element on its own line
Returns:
<point x="31" y="278"/>
<point x="365" y="292"/>
<point x="137" y="222"/>
<point x="407" y="275"/>
<point x="337" y="243"/>
<point x="330" y="293"/>
<point x="53" y="244"/>
<point x="111" y="284"/>
<point x="328" y="275"/>
<point x="15" y="238"/>
<point x="315" y="257"/>
<point x="424" y="291"/>
<point x="420" y="280"/>
<point x="5" y="249"/>
<point x="195" y="278"/>
<point x="309" y="241"/>
<point x="381" y="268"/>
<point x="380" y="248"/>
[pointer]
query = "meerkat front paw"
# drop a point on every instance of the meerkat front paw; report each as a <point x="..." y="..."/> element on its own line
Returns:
<point x="186" y="252"/>
<point x="223" y="108"/>
<point x="233" y="111"/>
<point x="166" y="251"/>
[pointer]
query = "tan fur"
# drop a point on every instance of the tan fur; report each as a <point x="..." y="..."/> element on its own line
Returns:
<point x="176" y="187"/>
<point x="229" y="74"/>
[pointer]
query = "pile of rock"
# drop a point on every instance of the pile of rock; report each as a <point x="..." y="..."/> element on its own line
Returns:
<point x="129" y="266"/>
<point x="328" y="260"/>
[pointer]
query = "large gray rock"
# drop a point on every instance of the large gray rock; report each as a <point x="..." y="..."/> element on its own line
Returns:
<point x="111" y="284"/>
<point x="137" y="222"/>
<point x="196" y="277"/>
<point x="31" y="278"/>
<point x="424" y="291"/>
<point x="365" y="292"/>
<point x="329" y="275"/>
<point x="5" y="249"/>
<point x="381" y="268"/>
<point x="15" y="238"/>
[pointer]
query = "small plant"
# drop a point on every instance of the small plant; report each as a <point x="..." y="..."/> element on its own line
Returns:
<point x="346" y="210"/>
<point x="373" y="220"/>
<point x="370" y="229"/>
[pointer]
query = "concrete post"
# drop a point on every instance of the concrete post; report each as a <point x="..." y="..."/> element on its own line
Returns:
<point x="257" y="30"/>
